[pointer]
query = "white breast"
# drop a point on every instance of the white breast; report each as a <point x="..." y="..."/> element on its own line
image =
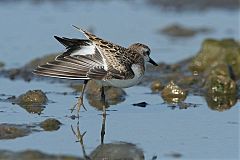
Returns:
<point x="129" y="82"/>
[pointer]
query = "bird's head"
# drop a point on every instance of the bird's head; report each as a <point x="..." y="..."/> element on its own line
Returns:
<point x="144" y="50"/>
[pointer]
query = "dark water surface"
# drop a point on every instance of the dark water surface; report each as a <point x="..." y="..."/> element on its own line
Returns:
<point x="197" y="132"/>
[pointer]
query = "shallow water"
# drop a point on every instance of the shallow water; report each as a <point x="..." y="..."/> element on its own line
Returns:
<point x="28" y="29"/>
<point x="159" y="130"/>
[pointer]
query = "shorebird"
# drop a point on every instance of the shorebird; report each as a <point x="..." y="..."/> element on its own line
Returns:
<point x="97" y="59"/>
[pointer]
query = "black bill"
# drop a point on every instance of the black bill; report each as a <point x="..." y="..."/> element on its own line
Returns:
<point x="152" y="62"/>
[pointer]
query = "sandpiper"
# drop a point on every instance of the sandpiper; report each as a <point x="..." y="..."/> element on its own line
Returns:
<point x="97" y="59"/>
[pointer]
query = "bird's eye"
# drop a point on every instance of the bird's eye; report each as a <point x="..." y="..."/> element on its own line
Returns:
<point x="148" y="52"/>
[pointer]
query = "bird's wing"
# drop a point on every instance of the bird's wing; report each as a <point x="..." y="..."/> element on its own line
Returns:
<point x="79" y="61"/>
<point x="115" y="58"/>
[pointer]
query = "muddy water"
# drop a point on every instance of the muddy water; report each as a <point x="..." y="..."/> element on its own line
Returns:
<point x="158" y="130"/>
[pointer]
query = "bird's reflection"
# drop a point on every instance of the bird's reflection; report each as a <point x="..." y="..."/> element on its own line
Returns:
<point x="113" y="95"/>
<point x="116" y="150"/>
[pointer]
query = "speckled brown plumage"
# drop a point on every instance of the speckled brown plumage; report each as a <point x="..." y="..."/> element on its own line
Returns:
<point x="105" y="60"/>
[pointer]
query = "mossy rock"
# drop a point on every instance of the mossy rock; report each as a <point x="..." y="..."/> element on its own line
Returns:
<point x="219" y="85"/>
<point x="50" y="124"/>
<point x="172" y="93"/>
<point x="156" y="86"/>
<point x="32" y="98"/>
<point x="12" y="131"/>
<point x="214" y="52"/>
<point x="221" y="102"/>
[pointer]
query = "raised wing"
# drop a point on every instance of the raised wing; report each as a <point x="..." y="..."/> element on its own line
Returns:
<point x="116" y="60"/>
<point x="79" y="61"/>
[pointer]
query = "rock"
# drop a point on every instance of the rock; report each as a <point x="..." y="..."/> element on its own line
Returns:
<point x="176" y="30"/>
<point x="39" y="61"/>
<point x="217" y="53"/>
<point x="50" y="124"/>
<point x="193" y="5"/>
<point x="173" y="93"/>
<point x="32" y="98"/>
<point x="219" y="85"/>
<point x="32" y="101"/>
<point x="33" y="155"/>
<point x="117" y="150"/>
<point x="12" y="131"/>
<point x="113" y="95"/>
<point x="187" y="81"/>
<point x="25" y="72"/>
<point x="1" y="64"/>
<point x="34" y="109"/>
<point x="12" y="73"/>
<point x="76" y="86"/>
<point x="141" y="104"/>
<point x="156" y="86"/>
<point x="220" y="102"/>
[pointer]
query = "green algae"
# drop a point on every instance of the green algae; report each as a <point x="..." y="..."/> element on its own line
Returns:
<point x="215" y="52"/>
<point x="218" y="84"/>
<point x="220" y="102"/>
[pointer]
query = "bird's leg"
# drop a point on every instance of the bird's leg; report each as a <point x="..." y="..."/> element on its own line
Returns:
<point x="80" y="99"/>
<point x="103" y="128"/>
<point x="79" y="137"/>
<point x="104" y="114"/>
<point x="103" y="98"/>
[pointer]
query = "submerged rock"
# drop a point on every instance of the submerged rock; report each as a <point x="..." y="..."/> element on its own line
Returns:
<point x="32" y="101"/>
<point x="33" y="155"/>
<point x="12" y="131"/>
<point x="113" y="95"/>
<point x="1" y="65"/>
<point x="32" y="98"/>
<point x="156" y="86"/>
<point x="117" y="150"/>
<point x="219" y="85"/>
<point x="221" y="102"/>
<point x="176" y="30"/>
<point x="40" y="61"/>
<point x="25" y="72"/>
<point x="172" y="93"/>
<point x="217" y="53"/>
<point x="50" y="124"/>
<point x="218" y="64"/>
